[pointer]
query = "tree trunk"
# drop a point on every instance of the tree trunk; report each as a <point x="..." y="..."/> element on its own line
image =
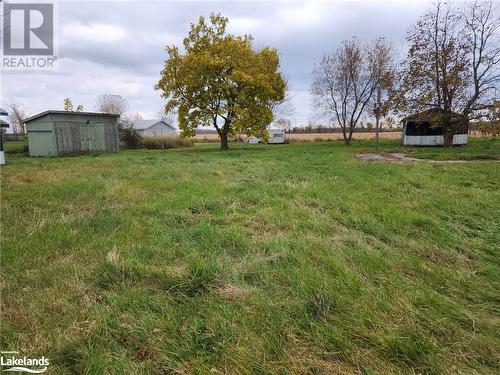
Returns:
<point x="448" y="134"/>
<point x="224" y="143"/>
<point x="223" y="132"/>
<point x="344" y="134"/>
<point x="349" y="138"/>
<point x="377" y="117"/>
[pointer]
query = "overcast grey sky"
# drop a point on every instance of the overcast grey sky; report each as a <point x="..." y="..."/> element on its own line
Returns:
<point x="117" y="47"/>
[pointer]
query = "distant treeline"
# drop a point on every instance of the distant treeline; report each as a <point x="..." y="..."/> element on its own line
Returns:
<point x="311" y="129"/>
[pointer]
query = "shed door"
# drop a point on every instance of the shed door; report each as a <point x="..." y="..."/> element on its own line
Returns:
<point x="67" y="136"/>
<point x="100" y="137"/>
<point x="88" y="136"/>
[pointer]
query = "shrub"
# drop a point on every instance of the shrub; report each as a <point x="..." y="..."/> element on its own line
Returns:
<point x="130" y="137"/>
<point x="239" y="138"/>
<point x="207" y="140"/>
<point x="488" y="128"/>
<point x="172" y="141"/>
<point x="16" y="147"/>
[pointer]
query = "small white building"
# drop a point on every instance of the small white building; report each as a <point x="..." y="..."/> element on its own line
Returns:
<point x="153" y="128"/>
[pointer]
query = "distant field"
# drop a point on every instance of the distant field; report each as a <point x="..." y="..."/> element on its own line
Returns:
<point x="318" y="136"/>
<point x="267" y="259"/>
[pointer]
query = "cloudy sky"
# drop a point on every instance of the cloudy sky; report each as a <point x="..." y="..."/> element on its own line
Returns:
<point x="117" y="47"/>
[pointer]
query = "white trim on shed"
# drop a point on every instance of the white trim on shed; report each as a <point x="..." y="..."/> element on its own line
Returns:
<point x="432" y="140"/>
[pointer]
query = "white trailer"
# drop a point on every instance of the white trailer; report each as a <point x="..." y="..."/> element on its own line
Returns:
<point x="276" y="136"/>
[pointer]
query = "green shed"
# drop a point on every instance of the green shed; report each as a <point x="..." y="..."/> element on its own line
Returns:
<point x="53" y="133"/>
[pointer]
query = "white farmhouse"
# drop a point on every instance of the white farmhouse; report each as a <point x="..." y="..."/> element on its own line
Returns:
<point x="153" y="128"/>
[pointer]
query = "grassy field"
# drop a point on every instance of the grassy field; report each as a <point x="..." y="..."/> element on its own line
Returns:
<point x="476" y="149"/>
<point x="283" y="259"/>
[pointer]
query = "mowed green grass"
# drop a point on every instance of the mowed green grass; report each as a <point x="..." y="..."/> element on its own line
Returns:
<point x="268" y="259"/>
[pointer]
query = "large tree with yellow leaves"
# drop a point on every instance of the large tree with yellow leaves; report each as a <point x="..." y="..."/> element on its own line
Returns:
<point x="221" y="81"/>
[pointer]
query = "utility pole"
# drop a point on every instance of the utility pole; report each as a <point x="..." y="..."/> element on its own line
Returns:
<point x="161" y="135"/>
<point x="377" y="116"/>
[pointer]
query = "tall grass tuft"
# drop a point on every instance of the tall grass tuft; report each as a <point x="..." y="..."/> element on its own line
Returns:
<point x="16" y="147"/>
<point x="165" y="142"/>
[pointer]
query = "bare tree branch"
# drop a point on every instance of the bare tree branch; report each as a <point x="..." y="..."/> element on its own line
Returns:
<point x="17" y="115"/>
<point x="108" y="103"/>
<point x="345" y="80"/>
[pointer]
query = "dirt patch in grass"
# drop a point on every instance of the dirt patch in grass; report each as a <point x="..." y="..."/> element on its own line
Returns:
<point x="232" y="292"/>
<point x="394" y="157"/>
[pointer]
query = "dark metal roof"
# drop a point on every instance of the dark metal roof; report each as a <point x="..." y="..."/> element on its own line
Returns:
<point x="430" y="115"/>
<point x="49" y="112"/>
<point x="4" y="124"/>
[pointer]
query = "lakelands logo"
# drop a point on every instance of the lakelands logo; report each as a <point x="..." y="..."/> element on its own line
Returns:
<point x="11" y="362"/>
<point x="28" y="35"/>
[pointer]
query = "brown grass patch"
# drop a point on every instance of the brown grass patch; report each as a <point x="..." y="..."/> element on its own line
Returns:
<point x="19" y="177"/>
<point x="122" y="193"/>
<point x="144" y="354"/>
<point x="77" y="207"/>
<point x="302" y="361"/>
<point x="113" y="255"/>
<point x="232" y="292"/>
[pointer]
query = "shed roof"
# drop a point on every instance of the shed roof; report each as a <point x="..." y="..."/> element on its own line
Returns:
<point x="69" y="113"/>
<point x="146" y="124"/>
<point x="430" y="115"/>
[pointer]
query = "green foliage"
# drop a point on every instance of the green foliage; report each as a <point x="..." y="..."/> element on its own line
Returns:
<point x="68" y="106"/>
<point x="221" y="81"/>
<point x="489" y="128"/>
<point x="297" y="259"/>
<point x="130" y="137"/>
<point x="489" y="125"/>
